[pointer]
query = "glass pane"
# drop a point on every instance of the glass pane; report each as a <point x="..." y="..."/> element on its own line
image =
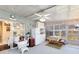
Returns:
<point x="50" y="33"/>
<point x="56" y="27"/>
<point x="57" y="33"/>
<point x="63" y="26"/>
<point x="63" y="33"/>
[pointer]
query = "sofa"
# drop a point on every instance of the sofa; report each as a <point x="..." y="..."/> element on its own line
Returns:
<point x="55" y="40"/>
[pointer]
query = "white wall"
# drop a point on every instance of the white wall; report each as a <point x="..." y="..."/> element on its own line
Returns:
<point x="26" y="22"/>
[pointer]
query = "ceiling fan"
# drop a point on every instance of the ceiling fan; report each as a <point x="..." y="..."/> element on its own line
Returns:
<point x="12" y="17"/>
<point x="42" y="17"/>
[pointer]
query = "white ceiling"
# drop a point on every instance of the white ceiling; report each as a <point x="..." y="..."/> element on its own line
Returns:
<point x="23" y="10"/>
<point x="57" y="13"/>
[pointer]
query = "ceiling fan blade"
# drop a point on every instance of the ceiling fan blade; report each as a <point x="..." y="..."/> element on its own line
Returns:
<point x="46" y="15"/>
<point x="37" y="18"/>
<point x="38" y="15"/>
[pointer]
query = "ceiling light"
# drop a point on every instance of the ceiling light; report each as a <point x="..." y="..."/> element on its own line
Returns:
<point x="42" y="20"/>
<point x="12" y="17"/>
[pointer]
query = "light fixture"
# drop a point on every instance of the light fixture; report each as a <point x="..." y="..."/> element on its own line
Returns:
<point x="42" y="20"/>
<point x="77" y="26"/>
<point x="12" y="17"/>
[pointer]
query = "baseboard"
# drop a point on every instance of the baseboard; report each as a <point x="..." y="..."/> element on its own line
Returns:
<point x="5" y="46"/>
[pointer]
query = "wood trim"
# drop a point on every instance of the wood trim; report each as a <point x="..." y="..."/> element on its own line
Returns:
<point x="1" y="30"/>
<point x="5" y="46"/>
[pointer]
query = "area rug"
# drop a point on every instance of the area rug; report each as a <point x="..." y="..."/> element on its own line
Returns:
<point x="54" y="46"/>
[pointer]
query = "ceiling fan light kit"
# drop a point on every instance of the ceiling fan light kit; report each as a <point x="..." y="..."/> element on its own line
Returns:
<point x="12" y="17"/>
<point x="42" y="20"/>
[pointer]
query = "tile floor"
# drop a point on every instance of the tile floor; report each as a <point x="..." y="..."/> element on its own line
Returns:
<point x="43" y="49"/>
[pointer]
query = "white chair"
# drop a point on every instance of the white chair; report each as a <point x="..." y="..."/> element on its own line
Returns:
<point x="22" y="46"/>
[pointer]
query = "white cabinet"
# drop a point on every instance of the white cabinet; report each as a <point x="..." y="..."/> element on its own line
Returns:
<point x="39" y="37"/>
